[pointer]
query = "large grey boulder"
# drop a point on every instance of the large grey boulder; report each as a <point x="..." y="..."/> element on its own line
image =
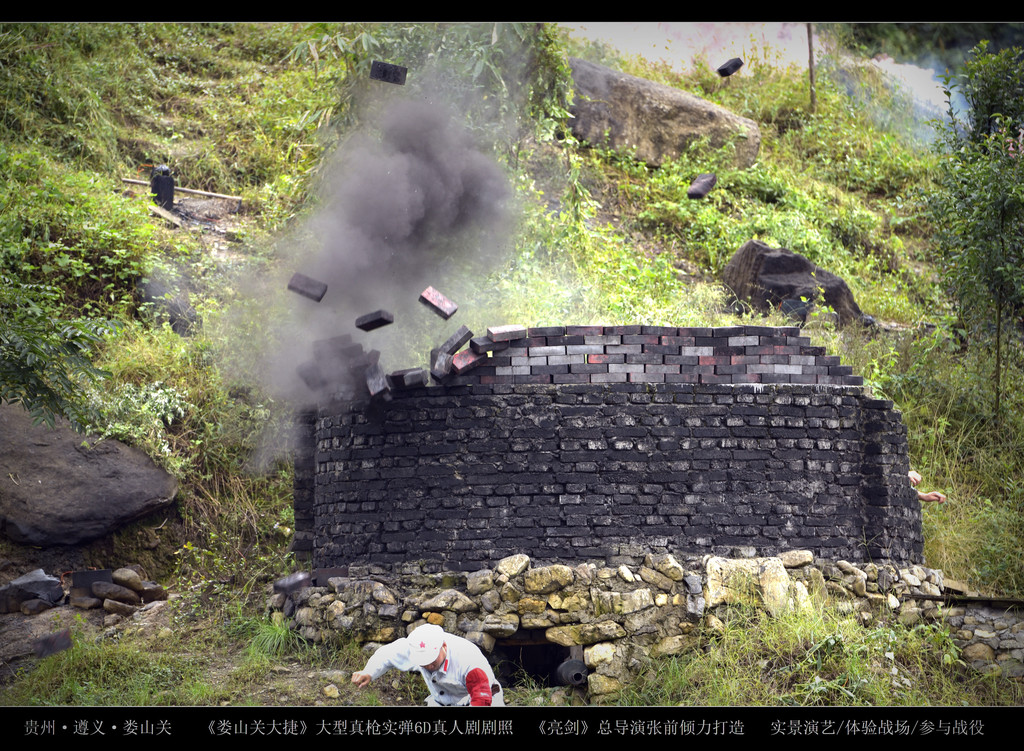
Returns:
<point x="770" y="278"/>
<point x="624" y="112"/>
<point x="58" y="487"/>
<point x="33" y="586"/>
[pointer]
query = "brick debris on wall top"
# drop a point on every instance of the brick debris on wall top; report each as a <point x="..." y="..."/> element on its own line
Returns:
<point x="658" y="354"/>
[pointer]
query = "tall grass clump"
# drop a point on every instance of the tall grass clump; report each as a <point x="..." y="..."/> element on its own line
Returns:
<point x="167" y="395"/>
<point x="818" y="657"/>
<point x="978" y="535"/>
<point x="107" y="673"/>
<point x="72" y="229"/>
<point x="579" y="271"/>
<point x="118" y="98"/>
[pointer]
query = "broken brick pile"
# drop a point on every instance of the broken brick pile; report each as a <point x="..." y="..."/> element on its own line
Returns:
<point x="647" y="354"/>
<point x="514" y="354"/>
<point x="342" y="369"/>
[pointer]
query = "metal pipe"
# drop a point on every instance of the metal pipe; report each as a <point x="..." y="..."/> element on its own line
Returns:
<point x="571" y="673"/>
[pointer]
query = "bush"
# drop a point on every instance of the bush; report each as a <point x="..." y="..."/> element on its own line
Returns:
<point x="978" y="204"/>
<point x="45" y="363"/>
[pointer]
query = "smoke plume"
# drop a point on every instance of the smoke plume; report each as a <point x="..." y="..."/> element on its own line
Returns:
<point x="410" y="202"/>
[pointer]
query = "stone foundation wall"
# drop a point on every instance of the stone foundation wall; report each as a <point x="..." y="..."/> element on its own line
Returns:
<point x="618" y="617"/>
<point x="589" y="461"/>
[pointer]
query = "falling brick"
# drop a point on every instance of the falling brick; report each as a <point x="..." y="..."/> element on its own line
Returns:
<point x="454" y="342"/>
<point x="408" y="378"/>
<point x="729" y="67"/>
<point x="388" y="72"/>
<point x="506" y="333"/>
<point x="311" y="288"/>
<point x="52" y="643"/>
<point x="442" y="366"/>
<point x="376" y="382"/>
<point x="485" y="344"/>
<point x="334" y="351"/>
<point x="358" y="357"/>
<point x="310" y="374"/>
<point x="467" y="359"/>
<point x="374" y="320"/>
<point x="372" y="357"/>
<point x="702" y="185"/>
<point x="438" y="303"/>
<point x="293" y="582"/>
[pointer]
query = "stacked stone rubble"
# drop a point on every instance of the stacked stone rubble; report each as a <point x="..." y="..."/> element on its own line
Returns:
<point x="622" y="616"/>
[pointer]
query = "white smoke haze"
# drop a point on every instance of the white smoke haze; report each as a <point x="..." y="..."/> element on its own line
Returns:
<point x="922" y="82"/>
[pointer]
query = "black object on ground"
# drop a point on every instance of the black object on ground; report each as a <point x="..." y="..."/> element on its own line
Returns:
<point x="161" y="183"/>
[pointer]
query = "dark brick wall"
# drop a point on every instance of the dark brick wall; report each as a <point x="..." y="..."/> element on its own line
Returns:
<point x="304" y="485"/>
<point x="466" y="474"/>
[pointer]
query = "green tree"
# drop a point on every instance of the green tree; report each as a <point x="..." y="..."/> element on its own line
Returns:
<point x="44" y="362"/>
<point x="978" y="206"/>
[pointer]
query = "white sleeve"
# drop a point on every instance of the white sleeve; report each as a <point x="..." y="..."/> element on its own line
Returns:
<point x="394" y="655"/>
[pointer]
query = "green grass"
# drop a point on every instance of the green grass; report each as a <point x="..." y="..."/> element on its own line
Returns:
<point x="601" y="239"/>
<point x="274" y="639"/>
<point x="110" y="674"/>
<point x="818" y="658"/>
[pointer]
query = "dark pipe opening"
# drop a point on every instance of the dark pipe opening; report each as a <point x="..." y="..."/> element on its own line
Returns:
<point x="529" y="657"/>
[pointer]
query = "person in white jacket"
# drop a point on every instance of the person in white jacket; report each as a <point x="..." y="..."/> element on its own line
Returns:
<point x="455" y="670"/>
<point x="933" y="496"/>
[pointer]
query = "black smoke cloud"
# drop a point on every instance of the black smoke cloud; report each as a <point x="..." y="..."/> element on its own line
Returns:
<point x="410" y="202"/>
<point x="401" y="205"/>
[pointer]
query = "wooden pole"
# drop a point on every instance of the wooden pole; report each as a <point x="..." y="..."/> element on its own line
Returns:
<point x="810" y="63"/>
<point x="185" y="190"/>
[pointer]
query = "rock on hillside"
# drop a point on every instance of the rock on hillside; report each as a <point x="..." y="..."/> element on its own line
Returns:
<point x="768" y="278"/>
<point x="58" y="489"/>
<point x="625" y="112"/>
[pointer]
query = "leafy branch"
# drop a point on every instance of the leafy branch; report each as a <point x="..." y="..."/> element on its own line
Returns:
<point x="45" y="362"/>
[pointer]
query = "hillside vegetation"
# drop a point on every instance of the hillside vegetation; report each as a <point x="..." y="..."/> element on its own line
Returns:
<point x="593" y="237"/>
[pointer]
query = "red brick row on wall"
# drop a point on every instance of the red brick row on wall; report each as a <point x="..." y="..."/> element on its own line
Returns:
<point x="658" y="354"/>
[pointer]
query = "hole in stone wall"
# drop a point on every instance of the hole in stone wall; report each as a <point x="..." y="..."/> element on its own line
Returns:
<point x="529" y="657"/>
